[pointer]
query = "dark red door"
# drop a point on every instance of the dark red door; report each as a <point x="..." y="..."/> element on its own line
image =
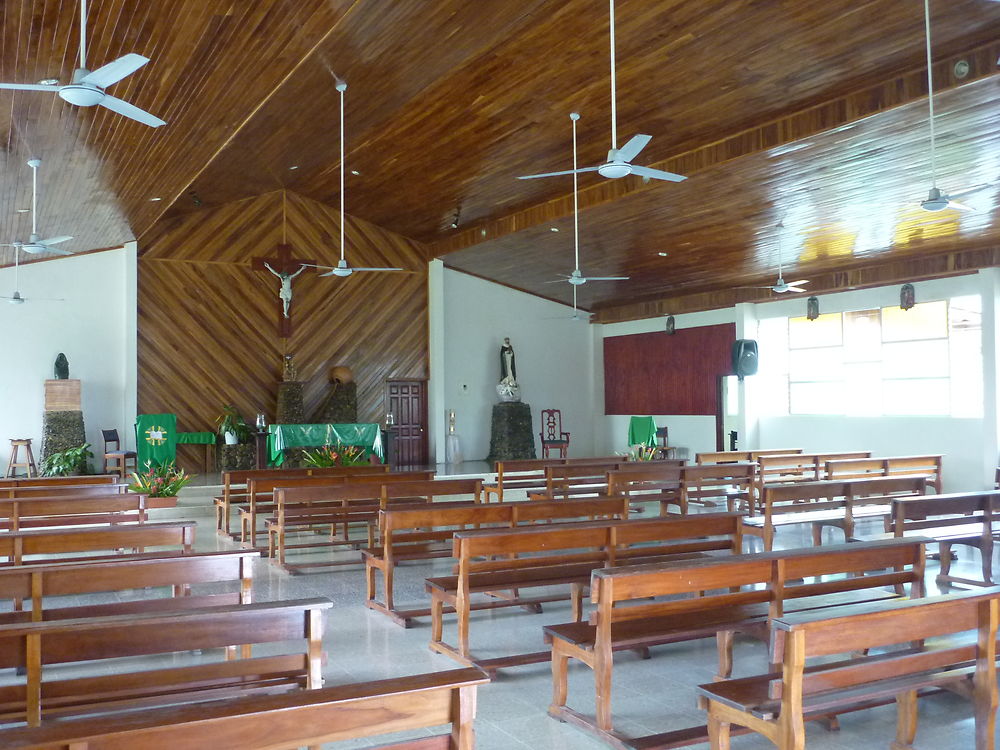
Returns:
<point x="406" y="400"/>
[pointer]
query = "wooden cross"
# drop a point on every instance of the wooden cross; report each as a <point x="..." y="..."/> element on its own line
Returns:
<point x="282" y="263"/>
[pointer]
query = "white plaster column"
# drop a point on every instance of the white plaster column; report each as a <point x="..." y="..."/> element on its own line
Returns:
<point x="130" y="336"/>
<point x="990" y="290"/>
<point x="436" y="385"/>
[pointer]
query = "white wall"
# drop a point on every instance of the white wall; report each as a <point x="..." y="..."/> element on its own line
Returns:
<point x="554" y="358"/>
<point x="695" y="433"/>
<point x="94" y="327"/>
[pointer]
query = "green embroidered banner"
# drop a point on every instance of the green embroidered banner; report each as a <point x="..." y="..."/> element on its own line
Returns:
<point x="155" y="438"/>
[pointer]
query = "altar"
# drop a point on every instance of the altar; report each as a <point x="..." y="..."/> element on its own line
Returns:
<point x="282" y="436"/>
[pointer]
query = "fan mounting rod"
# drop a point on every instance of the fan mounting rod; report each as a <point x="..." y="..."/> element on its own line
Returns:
<point x="574" y="116"/>
<point x="614" y="88"/>
<point x="930" y="89"/>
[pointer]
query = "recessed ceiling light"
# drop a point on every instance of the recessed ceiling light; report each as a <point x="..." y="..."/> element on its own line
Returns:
<point x="355" y="172"/>
<point x="553" y="229"/>
<point x="48" y="82"/>
<point x="23" y="210"/>
<point x="294" y="166"/>
<point x="662" y="255"/>
<point x="156" y="199"/>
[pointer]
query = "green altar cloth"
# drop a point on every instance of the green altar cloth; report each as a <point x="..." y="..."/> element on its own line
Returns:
<point x="155" y="439"/>
<point x="641" y="431"/>
<point x="281" y="436"/>
<point x="196" y="438"/>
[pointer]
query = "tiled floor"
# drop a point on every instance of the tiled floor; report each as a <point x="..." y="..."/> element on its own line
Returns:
<point x="649" y="696"/>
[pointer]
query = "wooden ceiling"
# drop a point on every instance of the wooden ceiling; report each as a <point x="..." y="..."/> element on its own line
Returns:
<point x="814" y="112"/>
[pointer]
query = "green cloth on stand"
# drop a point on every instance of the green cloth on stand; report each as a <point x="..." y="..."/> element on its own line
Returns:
<point x="641" y="431"/>
<point x="281" y="436"/>
<point x="196" y="438"/>
<point x="155" y="439"/>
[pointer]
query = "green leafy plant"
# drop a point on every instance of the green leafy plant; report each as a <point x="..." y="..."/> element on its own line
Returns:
<point x="335" y="455"/>
<point x="159" y="480"/>
<point x="642" y="453"/>
<point x="230" y="420"/>
<point x="69" y="461"/>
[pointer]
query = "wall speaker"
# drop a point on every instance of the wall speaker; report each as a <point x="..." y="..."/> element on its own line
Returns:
<point x="744" y="357"/>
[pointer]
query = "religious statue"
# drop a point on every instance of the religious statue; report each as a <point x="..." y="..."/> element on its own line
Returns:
<point x="507" y="388"/>
<point x="62" y="367"/>
<point x="285" y="293"/>
<point x="289" y="372"/>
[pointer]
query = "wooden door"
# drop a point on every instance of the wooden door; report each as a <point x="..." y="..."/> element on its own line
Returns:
<point x="406" y="400"/>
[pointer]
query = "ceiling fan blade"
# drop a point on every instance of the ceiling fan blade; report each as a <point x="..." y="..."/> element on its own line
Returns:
<point x="557" y="174"/>
<point x="115" y="70"/>
<point x="631" y="149"/>
<point x="380" y="269"/>
<point x="58" y="250"/>
<point x="800" y="282"/>
<point x="28" y="87"/>
<point x="130" y="110"/>
<point x="607" y="278"/>
<point x="959" y="206"/>
<point x="969" y="191"/>
<point x="657" y="174"/>
<point x="792" y="288"/>
<point x="56" y="240"/>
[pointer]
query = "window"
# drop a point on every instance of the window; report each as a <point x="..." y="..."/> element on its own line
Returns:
<point x="888" y="361"/>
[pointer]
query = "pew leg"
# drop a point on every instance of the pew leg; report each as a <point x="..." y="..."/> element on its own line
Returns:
<point x="724" y="644"/>
<point x="576" y="599"/>
<point x="817" y="535"/>
<point x="944" y="548"/>
<point x="602" y="683"/>
<point x="369" y="580"/>
<point x="718" y="732"/>
<point x="437" y="619"/>
<point x="986" y="552"/>
<point x="906" y="720"/>
<point x="560" y="678"/>
<point x="462" y="609"/>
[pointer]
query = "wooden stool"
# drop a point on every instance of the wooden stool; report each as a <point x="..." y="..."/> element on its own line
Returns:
<point x="28" y="464"/>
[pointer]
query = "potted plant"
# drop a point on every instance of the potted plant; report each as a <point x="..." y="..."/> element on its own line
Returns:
<point x="335" y="455"/>
<point x="159" y="480"/>
<point x="231" y="426"/>
<point x="69" y="461"/>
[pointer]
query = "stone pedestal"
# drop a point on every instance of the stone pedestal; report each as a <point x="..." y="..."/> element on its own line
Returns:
<point x="62" y="430"/>
<point x="511" y="435"/>
<point x="290" y="408"/>
<point x="236" y="457"/>
<point x="340" y="406"/>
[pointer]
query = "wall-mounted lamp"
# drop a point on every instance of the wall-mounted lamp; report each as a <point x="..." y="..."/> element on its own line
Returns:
<point x="907" y="296"/>
<point x="812" y="308"/>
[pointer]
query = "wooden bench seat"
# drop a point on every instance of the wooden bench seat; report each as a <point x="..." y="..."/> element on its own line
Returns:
<point x="658" y="481"/>
<point x="709" y="484"/>
<point x="807" y="691"/>
<point x="731" y="457"/>
<point x="44" y="584"/>
<point x="72" y="510"/>
<point x="522" y="554"/>
<point x="928" y="466"/>
<point x="529" y="474"/>
<point x="39" y="646"/>
<point x="717" y="597"/>
<point x="309" y="717"/>
<point x="960" y="518"/>
<point x="799" y="467"/>
<point x="72" y="480"/>
<point x="72" y="544"/>
<point x="62" y="490"/>
<point x="828" y="502"/>
<point x="427" y="533"/>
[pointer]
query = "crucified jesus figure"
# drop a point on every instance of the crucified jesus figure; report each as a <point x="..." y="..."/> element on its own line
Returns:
<point x="285" y="293"/>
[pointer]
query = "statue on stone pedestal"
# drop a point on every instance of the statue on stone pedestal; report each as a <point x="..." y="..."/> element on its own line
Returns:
<point x="507" y="388"/>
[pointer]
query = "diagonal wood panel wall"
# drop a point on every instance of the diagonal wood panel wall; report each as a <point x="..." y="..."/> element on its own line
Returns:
<point x="208" y="323"/>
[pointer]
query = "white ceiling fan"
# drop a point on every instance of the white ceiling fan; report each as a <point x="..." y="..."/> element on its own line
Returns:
<point x="781" y="286"/>
<point x="87" y="87"/>
<point x="619" y="163"/>
<point x="16" y="298"/>
<point x="936" y="200"/>
<point x="35" y="245"/>
<point x="576" y="278"/>
<point x="342" y="269"/>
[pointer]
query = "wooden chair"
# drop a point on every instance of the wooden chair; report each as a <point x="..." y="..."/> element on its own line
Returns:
<point x="117" y="457"/>
<point x="552" y="435"/>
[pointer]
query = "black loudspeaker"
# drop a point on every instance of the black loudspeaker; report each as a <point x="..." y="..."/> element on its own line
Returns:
<point x="744" y="357"/>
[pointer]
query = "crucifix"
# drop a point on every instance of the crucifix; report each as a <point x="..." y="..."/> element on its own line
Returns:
<point x="285" y="268"/>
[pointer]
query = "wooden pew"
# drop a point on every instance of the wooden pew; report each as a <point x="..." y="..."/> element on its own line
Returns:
<point x="818" y="690"/>
<point x="560" y="555"/>
<point x="928" y="466"/>
<point x="800" y="467"/>
<point x="32" y="646"/>
<point x="528" y="475"/>
<point x="260" y="491"/>
<point x="965" y="518"/>
<point x="571" y="480"/>
<point x="57" y="544"/>
<point x="63" y="490"/>
<point x="652" y="481"/>
<point x="422" y="533"/>
<point x="234" y="484"/>
<point x="72" y="480"/>
<point x="731" y="483"/>
<point x="716" y="597"/>
<point x="828" y="503"/>
<point x="41" y="583"/>
<point x="731" y="457"/>
<point x="308" y="717"/>
<point x="87" y="510"/>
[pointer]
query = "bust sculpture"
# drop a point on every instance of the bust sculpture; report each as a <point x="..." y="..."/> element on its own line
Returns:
<point x="62" y="367"/>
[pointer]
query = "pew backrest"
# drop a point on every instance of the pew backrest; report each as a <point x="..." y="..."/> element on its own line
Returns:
<point x="63" y="490"/>
<point x="728" y="457"/>
<point x="432" y="488"/>
<point x="72" y="480"/>
<point x="929" y="466"/>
